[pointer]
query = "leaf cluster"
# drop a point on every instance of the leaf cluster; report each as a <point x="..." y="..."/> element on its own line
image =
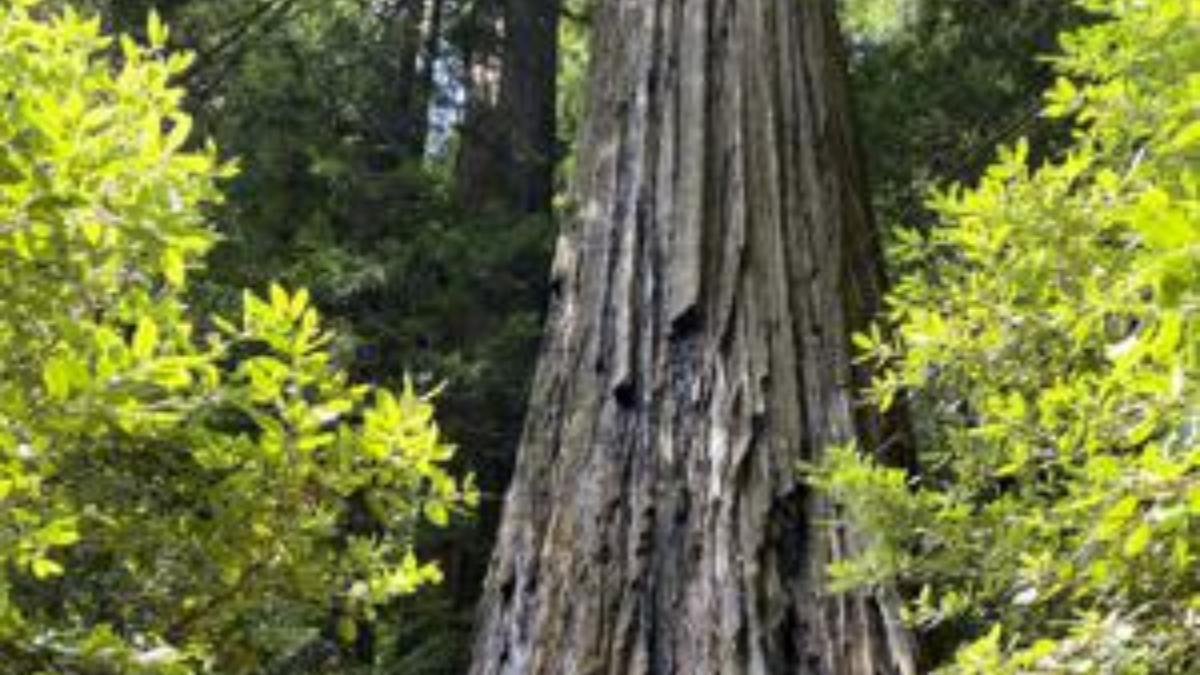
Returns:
<point x="166" y="483"/>
<point x="1051" y="335"/>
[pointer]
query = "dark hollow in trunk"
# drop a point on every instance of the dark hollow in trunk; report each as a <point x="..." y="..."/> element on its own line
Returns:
<point x="698" y="349"/>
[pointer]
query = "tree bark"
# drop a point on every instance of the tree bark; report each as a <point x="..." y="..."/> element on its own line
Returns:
<point x="697" y="350"/>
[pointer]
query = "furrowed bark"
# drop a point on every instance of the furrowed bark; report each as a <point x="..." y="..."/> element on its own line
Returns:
<point x="698" y="349"/>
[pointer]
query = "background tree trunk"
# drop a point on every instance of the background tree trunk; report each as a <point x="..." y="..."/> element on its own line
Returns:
<point x="413" y="22"/>
<point x="698" y="349"/>
<point x="427" y="72"/>
<point x="509" y="142"/>
<point x="528" y="101"/>
<point x="479" y="165"/>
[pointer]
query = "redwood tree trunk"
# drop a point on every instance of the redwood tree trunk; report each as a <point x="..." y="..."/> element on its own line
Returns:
<point x="509" y="140"/>
<point x="480" y="176"/>
<point x="431" y="55"/>
<point x="410" y="113"/>
<point x="698" y="349"/>
<point x="528" y="101"/>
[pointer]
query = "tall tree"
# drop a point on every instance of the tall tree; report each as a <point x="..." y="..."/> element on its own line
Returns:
<point x="509" y="145"/>
<point x="479" y="170"/>
<point x="698" y="350"/>
<point x="415" y="29"/>
<point x="527" y="101"/>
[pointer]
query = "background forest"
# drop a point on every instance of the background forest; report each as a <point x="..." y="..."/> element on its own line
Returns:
<point x="408" y="162"/>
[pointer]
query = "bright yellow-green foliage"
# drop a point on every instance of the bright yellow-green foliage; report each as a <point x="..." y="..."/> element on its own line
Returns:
<point x="174" y="497"/>
<point x="1051" y="343"/>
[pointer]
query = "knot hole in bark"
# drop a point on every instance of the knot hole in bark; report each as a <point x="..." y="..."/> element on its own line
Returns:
<point x="686" y="323"/>
<point x="625" y="392"/>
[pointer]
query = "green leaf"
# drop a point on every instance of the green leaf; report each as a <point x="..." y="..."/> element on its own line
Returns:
<point x="44" y="568"/>
<point x="93" y="232"/>
<point x="1163" y="226"/>
<point x="181" y="130"/>
<point x="174" y="268"/>
<point x="1137" y="542"/>
<point x="280" y="302"/>
<point x="156" y="30"/>
<point x="62" y="532"/>
<point x="145" y="338"/>
<point x="1185" y="138"/>
<point x="437" y="513"/>
<point x="56" y="375"/>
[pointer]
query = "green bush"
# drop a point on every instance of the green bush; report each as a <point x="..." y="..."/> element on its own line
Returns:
<point x="175" y="497"/>
<point x="1050" y="344"/>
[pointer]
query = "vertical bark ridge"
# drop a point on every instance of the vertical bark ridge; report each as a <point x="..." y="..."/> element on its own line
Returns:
<point x="697" y="350"/>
